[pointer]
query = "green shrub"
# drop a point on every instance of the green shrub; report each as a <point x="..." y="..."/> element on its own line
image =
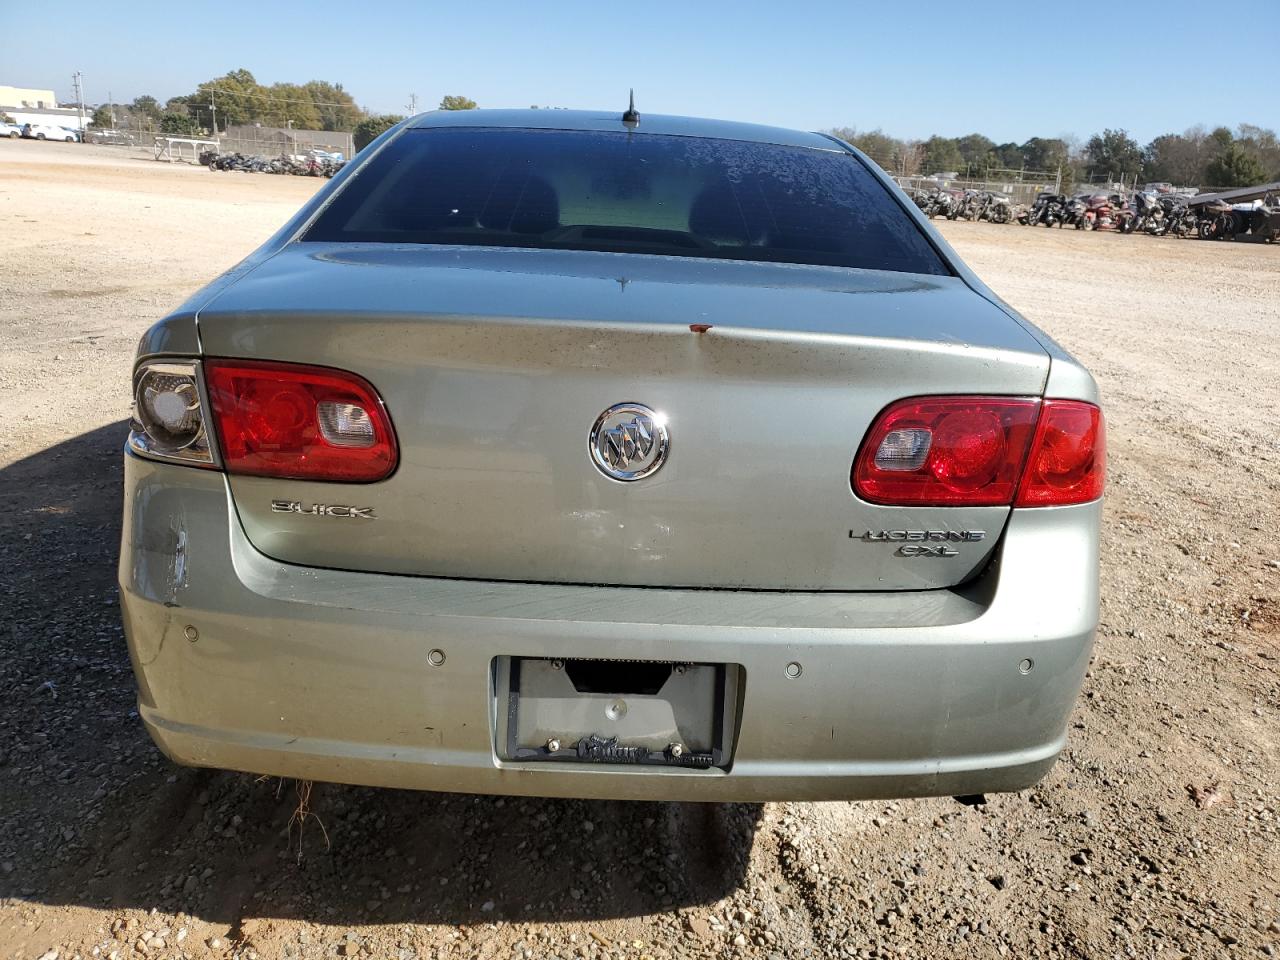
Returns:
<point x="370" y="128"/>
<point x="178" y="125"/>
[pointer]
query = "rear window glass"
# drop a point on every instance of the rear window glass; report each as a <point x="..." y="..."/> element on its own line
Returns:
<point x="627" y="193"/>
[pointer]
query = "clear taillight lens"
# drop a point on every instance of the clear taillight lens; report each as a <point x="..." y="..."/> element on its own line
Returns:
<point x="169" y="415"/>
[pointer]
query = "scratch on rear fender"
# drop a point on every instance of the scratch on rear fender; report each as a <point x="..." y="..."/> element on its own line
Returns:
<point x="178" y="569"/>
<point x="174" y="571"/>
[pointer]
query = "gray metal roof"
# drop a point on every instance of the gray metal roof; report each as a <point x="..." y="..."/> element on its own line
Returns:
<point x="1239" y="195"/>
<point x="612" y="121"/>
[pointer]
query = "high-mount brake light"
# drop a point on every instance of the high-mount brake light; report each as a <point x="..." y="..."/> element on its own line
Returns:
<point x="299" y="422"/>
<point x="982" y="451"/>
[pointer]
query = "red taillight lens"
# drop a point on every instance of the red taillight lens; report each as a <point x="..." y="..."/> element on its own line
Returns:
<point x="946" y="451"/>
<point x="299" y="422"/>
<point x="971" y="451"/>
<point x="1068" y="461"/>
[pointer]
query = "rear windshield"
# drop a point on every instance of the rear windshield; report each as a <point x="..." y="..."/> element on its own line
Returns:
<point x="627" y="193"/>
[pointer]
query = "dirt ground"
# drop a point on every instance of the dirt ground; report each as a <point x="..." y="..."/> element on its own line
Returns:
<point x="1156" y="835"/>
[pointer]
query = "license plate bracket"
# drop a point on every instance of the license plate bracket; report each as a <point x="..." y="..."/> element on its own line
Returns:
<point x="630" y="712"/>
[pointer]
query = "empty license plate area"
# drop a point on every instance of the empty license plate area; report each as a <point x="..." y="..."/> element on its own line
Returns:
<point x="616" y="711"/>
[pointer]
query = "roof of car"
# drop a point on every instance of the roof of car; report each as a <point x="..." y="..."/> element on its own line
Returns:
<point x="612" y="120"/>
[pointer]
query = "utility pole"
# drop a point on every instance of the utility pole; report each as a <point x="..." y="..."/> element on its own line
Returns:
<point x="77" y="83"/>
<point x="213" y="115"/>
<point x="111" y="107"/>
<point x="413" y="104"/>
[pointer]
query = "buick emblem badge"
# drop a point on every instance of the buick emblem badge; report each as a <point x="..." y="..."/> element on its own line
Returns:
<point x="629" y="442"/>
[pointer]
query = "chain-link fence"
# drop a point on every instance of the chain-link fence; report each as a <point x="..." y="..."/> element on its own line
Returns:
<point x="266" y="142"/>
<point x="141" y="139"/>
<point x="1020" y="189"/>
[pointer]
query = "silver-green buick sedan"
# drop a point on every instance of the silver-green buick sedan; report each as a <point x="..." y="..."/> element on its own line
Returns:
<point x="601" y="455"/>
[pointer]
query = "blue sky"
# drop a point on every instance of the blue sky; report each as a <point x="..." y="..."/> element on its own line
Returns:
<point x="914" y="68"/>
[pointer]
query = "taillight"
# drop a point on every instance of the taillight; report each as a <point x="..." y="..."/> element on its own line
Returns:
<point x="946" y="450"/>
<point x="982" y="451"/>
<point x="299" y="422"/>
<point x="1068" y="462"/>
<point x="168" y="415"/>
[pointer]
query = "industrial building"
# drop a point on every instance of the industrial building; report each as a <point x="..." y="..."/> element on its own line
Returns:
<point x="34" y="105"/>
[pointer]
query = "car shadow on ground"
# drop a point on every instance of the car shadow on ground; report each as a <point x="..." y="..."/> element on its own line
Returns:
<point x="96" y="816"/>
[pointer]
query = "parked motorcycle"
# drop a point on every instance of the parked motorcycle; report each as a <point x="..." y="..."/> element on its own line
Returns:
<point x="1181" y="220"/>
<point x="1216" y="221"/>
<point x="942" y="203"/>
<point x="919" y="197"/>
<point x="1073" y="214"/>
<point x="992" y="207"/>
<point x="1102" y="212"/>
<point x="1148" y="215"/>
<point x="1049" y="209"/>
<point x="1122" y="213"/>
<point x="971" y="205"/>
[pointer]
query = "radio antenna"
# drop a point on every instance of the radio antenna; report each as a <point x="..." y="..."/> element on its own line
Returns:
<point x="631" y="116"/>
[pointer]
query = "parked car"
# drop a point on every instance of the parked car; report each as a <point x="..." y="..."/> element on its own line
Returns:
<point x="10" y="130"/>
<point x="641" y="457"/>
<point x="115" y="137"/>
<point x="47" y="131"/>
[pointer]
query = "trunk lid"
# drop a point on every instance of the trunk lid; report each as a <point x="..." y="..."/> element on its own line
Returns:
<point x="495" y="364"/>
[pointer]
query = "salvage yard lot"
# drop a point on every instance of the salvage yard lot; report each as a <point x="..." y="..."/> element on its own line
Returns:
<point x="1156" y="835"/>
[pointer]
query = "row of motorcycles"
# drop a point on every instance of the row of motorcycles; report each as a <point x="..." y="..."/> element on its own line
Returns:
<point x="1086" y="212"/>
<point x="1160" y="214"/>
<point x="1156" y="214"/>
<point x="295" y="166"/>
<point x="1152" y="213"/>
<point x="965" y="205"/>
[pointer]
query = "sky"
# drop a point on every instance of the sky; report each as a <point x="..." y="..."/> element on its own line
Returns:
<point x="1010" y="71"/>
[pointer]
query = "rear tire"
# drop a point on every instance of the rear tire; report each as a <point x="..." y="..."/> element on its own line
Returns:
<point x="39" y="136"/>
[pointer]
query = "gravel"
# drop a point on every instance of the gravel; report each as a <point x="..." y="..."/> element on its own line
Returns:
<point x="104" y="845"/>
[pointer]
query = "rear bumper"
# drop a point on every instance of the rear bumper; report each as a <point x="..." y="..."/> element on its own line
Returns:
<point x="324" y="674"/>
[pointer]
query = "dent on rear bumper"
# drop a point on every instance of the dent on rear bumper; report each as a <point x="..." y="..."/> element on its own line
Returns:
<point x="323" y="674"/>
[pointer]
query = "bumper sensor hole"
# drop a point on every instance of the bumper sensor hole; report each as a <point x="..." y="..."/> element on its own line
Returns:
<point x="617" y="676"/>
<point x="1026" y="666"/>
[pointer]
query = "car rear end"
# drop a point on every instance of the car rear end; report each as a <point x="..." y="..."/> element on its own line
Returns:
<point x="678" y="465"/>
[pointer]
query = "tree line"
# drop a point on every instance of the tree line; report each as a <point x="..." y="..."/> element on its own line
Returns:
<point x="238" y="98"/>
<point x="1195" y="157"/>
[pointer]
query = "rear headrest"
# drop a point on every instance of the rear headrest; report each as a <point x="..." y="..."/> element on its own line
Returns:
<point x="520" y="203"/>
<point x="717" y="215"/>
